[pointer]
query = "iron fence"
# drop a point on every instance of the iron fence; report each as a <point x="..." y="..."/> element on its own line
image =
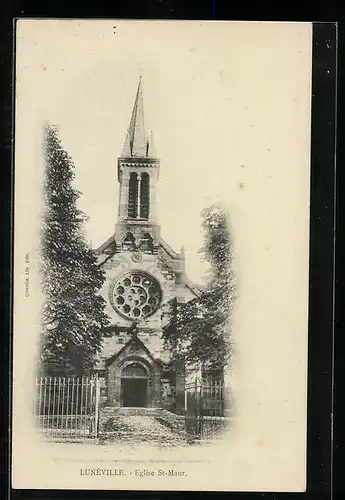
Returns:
<point x="205" y="408"/>
<point x="67" y="406"/>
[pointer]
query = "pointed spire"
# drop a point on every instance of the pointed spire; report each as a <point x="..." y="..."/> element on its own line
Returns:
<point x="151" y="150"/>
<point x="136" y="143"/>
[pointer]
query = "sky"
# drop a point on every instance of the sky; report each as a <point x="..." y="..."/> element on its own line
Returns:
<point x="213" y="99"/>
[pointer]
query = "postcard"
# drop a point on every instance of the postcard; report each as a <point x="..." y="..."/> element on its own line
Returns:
<point x="161" y="255"/>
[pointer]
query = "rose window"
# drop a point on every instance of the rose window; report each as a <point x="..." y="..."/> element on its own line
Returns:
<point x="136" y="295"/>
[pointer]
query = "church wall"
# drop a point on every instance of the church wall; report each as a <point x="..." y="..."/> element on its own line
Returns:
<point x="120" y="263"/>
<point x="167" y="387"/>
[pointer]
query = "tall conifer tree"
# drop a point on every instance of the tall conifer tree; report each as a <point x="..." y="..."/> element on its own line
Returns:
<point x="73" y="318"/>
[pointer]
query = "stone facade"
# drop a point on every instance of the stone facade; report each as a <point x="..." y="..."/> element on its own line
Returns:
<point x="145" y="278"/>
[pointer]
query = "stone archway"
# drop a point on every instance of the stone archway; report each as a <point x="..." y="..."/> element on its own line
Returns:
<point x="133" y="361"/>
<point x="138" y="376"/>
<point x="135" y="384"/>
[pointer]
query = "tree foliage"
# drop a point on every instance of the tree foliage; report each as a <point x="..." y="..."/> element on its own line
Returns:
<point x="199" y="331"/>
<point x="73" y="317"/>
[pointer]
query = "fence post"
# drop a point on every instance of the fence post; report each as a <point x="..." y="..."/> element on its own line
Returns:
<point x="201" y="408"/>
<point x="185" y="398"/>
<point x="97" y="405"/>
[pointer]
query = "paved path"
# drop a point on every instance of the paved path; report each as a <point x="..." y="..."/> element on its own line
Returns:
<point x="140" y="429"/>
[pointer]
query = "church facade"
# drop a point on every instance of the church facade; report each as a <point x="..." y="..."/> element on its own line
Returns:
<point x="145" y="281"/>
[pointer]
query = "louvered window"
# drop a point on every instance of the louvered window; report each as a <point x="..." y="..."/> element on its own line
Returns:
<point x="133" y="196"/>
<point x="144" y="196"/>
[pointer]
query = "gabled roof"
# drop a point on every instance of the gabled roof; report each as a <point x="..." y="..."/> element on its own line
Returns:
<point x="106" y="245"/>
<point x="171" y="259"/>
<point x="137" y="143"/>
<point x="167" y="248"/>
<point x="193" y="288"/>
<point x="133" y="340"/>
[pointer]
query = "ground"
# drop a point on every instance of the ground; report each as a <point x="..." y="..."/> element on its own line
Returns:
<point x="140" y="429"/>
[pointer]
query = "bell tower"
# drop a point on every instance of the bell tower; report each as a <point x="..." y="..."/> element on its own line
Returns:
<point x="138" y="171"/>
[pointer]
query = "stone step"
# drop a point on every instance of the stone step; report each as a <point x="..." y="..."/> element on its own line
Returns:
<point x="124" y="410"/>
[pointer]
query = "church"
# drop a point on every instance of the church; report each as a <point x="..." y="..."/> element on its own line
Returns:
<point x="145" y="279"/>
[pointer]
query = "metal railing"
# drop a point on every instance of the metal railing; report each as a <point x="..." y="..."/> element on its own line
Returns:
<point x="205" y="408"/>
<point x="67" y="406"/>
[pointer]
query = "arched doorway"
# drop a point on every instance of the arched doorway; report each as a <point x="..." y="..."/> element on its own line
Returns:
<point x="134" y="385"/>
